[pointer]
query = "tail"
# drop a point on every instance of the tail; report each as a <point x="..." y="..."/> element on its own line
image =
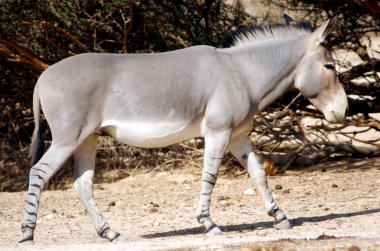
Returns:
<point x="37" y="145"/>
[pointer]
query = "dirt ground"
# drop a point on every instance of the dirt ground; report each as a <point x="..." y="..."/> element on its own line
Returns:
<point x="334" y="206"/>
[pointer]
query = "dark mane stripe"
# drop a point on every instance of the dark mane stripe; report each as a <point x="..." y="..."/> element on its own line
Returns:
<point x="234" y="35"/>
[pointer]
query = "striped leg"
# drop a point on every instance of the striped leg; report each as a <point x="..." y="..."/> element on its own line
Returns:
<point x="242" y="150"/>
<point x="215" y="147"/>
<point x="84" y="166"/>
<point x="39" y="175"/>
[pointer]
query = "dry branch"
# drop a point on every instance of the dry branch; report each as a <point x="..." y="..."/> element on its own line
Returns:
<point x="21" y="56"/>
<point x="66" y="33"/>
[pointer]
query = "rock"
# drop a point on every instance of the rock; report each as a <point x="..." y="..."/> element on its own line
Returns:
<point x="111" y="204"/>
<point x="220" y="198"/>
<point x="286" y="191"/>
<point x="334" y="185"/>
<point x="249" y="191"/>
<point x="353" y="248"/>
<point x="153" y="210"/>
<point x="154" y="204"/>
<point x="50" y="216"/>
<point x="226" y="203"/>
<point x="278" y="187"/>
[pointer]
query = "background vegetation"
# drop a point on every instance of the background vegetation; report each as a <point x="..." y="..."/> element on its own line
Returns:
<point x="36" y="34"/>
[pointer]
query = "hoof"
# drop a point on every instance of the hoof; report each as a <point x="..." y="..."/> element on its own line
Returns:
<point x="215" y="231"/>
<point x="284" y="224"/>
<point x="119" y="238"/>
<point x="111" y="235"/>
<point x="25" y="242"/>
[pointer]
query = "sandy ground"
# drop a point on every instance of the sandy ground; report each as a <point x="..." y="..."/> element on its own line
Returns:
<point x="338" y="207"/>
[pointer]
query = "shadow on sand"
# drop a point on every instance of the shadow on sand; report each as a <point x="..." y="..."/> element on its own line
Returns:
<point x="262" y="225"/>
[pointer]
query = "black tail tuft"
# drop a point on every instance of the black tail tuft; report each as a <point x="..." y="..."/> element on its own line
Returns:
<point x="37" y="145"/>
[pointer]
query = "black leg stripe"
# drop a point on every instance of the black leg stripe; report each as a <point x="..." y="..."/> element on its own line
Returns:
<point x="29" y="238"/>
<point x="212" y="157"/>
<point x="199" y="217"/>
<point x="32" y="194"/>
<point x="210" y="182"/>
<point x="31" y="213"/>
<point x="36" y="185"/>
<point x="40" y="177"/>
<point x="273" y="211"/>
<point x="212" y="175"/>
<point x="31" y="204"/>
<point x="38" y="169"/>
<point x="27" y="226"/>
<point x="103" y="229"/>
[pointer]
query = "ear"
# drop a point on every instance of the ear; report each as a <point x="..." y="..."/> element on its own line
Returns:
<point x="322" y="32"/>
<point x="288" y="20"/>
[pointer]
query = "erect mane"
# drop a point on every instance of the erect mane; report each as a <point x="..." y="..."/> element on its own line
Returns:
<point x="252" y="34"/>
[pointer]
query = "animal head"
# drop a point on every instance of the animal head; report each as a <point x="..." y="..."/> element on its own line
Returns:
<point x="316" y="77"/>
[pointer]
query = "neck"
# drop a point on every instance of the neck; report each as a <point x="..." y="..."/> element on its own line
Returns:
<point x="268" y="68"/>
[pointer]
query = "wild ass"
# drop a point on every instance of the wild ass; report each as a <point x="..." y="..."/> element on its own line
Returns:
<point x="154" y="100"/>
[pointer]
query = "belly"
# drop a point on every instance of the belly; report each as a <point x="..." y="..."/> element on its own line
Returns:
<point x="151" y="135"/>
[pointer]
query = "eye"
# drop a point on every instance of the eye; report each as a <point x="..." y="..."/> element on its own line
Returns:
<point x="329" y="66"/>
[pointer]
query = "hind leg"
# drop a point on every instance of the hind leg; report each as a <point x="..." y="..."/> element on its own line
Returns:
<point x="39" y="175"/>
<point x="242" y="151"/>
<point x="84" y="166"/>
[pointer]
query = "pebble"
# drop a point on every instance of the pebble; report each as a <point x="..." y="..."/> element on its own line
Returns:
<point x="249" y="191"/>
<point x="278" y="187"/>
<point x="286" y="191"/>
<point x="334" y="185"/>
<point x="112" y="203"/>
<point x="226" y="203"/>
<point x="153" y="210"/>
<point x="50" y="216"/>
<point x="353" y="248"/>
<point x="154" y="204"/>
<point x="220" y="198"/>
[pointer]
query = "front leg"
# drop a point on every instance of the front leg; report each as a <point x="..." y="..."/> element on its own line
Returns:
<point x="242" y="151"/>
<point x="215" y="147"/>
